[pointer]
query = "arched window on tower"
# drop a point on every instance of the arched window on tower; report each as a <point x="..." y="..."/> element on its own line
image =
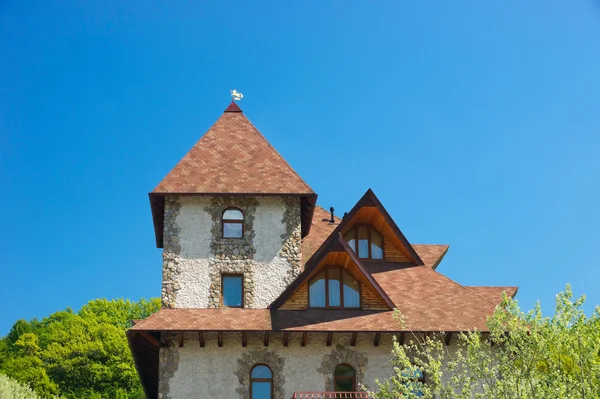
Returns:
<point x="233" y="223"/>
<point x="344" y="378"/>
<point x="261" y="382"/>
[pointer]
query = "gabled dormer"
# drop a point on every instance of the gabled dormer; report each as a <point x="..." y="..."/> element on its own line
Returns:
<point x="373" y="234"/>
<point x="335" y="277"/>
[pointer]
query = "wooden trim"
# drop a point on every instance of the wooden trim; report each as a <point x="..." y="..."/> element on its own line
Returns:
<point x="447" y="338"/>
<point x="286" y="337"/>
<point x="222" y="289"/>
<point x="244" y="339"/>
<point x="266" y="339"/>
<point x="401" y="338"/>
<point x="377" y="338"/>
<point x="353" y="339"/>
<point x="150" y="338"/>
<point x="329" y="339"/>
<point x="304" y="339"/>
<point x="181" y="340"/>
<point x="201" y="339"/>
<point x="220" y="339"/>
<point x="232" y="221"/>
<point x="270" y="380"/>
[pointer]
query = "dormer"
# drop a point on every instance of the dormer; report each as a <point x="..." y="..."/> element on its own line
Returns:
<point x="336" y="276"/>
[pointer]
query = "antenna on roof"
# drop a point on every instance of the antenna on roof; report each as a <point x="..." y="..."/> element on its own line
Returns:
<point x="236" y="95"/>
<point x="332" y="217"/>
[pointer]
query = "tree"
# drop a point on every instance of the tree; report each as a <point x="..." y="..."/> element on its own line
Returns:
<point x="525" y="355"/>
<point x="79" y="355"/>
<point x="11" y="389"/>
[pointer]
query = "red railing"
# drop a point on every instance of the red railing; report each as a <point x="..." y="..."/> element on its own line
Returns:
<point x="331" y="395"/>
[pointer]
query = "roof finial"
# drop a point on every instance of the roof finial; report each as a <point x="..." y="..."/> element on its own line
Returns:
<point x="236" y="95"/>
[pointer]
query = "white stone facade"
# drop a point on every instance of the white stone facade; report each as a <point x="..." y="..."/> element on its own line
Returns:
<point x="223" y="372"/>
<point x="194" y="274"/>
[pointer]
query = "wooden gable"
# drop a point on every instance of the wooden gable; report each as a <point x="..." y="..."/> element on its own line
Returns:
<point x="370" y="298"/>
<point x="394" y="249"/>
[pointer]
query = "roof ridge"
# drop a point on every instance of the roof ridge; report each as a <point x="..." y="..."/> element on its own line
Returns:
<point x="277" y="153"/>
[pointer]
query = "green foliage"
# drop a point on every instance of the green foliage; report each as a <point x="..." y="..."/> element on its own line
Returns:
<point x="524" y="356"/>
<point x="77" y="355"/>
<point x="11" y="389"/>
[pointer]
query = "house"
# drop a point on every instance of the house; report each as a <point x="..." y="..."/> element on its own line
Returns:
<point x="267" y="295"/>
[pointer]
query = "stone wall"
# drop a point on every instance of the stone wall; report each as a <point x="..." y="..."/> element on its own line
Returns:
<point x="224" y="372"/>
<point x="195" y="254"/>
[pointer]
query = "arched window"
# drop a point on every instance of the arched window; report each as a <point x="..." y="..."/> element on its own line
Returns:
<point x="344" y="378"/>
<point x="261" y="382"/>
<point x="233" y="223"/>
<point x="365" y="241"/>
<point x="334" y="287"/>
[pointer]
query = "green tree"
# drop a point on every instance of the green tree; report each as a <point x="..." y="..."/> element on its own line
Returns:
<point x="525" y="355"/>
<point x="11" y="389"/>
<point x="79" y="355"/>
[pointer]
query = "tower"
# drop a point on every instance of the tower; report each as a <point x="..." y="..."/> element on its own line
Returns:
<point x="230" y="217"/>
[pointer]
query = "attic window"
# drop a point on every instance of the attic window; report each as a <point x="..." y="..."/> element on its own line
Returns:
<point x="233" y="223"/>
<point x="368" y="241"/>
<point x="334" y="288"/>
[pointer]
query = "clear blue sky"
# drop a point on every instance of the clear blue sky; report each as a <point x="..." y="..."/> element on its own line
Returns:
<point x="476" y="123"/>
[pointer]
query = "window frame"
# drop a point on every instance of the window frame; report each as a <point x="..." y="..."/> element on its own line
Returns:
<point x="270" y="380"/>
<point x="342" y="270"/>
<point x="369" y="229"/>
<point x="232" y="221"/>
<point x="337" y="378"/>
<point x="225" y="275"/>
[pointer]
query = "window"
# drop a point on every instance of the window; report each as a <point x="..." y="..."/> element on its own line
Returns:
<point x="365" y="241"/>
<point x="233" y="223"/>
<point x="344" y="378"/>
<point x="232" y="292"/>
<point x="334" y="287"/>
<point x="261" y="382"/>
<point x="415" y="382"/>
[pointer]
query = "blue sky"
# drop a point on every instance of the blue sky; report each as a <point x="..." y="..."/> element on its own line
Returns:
<point x="476" y="123"/>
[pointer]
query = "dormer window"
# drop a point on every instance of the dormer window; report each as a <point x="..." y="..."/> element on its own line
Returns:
<point x="233" y="223"/>
<point x="334" y="287"/>
<point x="365" y="241"/>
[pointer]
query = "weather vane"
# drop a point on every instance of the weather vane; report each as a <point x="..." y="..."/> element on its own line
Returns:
<point x="236" y="95"/>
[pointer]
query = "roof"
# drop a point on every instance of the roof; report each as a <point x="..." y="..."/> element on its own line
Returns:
<point x="430" y="254"/>
<point x="233" y="158"/>
<point x="428" y="301"/>
<point x="494" y="293"/>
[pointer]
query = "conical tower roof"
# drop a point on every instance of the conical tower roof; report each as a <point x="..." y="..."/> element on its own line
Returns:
<point x="233" y="158"/>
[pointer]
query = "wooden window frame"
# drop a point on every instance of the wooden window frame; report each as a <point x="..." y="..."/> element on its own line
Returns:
<point x="223" y="289"/>
<point x="233" y="221"/>
<point x="342" y="270"/>
<point x="338" y="378"/>
<point x="261" y="379"/>
<point x="369" y="229"/>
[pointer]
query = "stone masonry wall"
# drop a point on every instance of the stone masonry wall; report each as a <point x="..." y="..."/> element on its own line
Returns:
<point x="195" y="254"/>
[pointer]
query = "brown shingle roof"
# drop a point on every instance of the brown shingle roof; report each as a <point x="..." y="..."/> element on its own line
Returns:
<point x="427" y="300"/>
<point x="233" y="157"/>
<point x="494" y="294"/>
